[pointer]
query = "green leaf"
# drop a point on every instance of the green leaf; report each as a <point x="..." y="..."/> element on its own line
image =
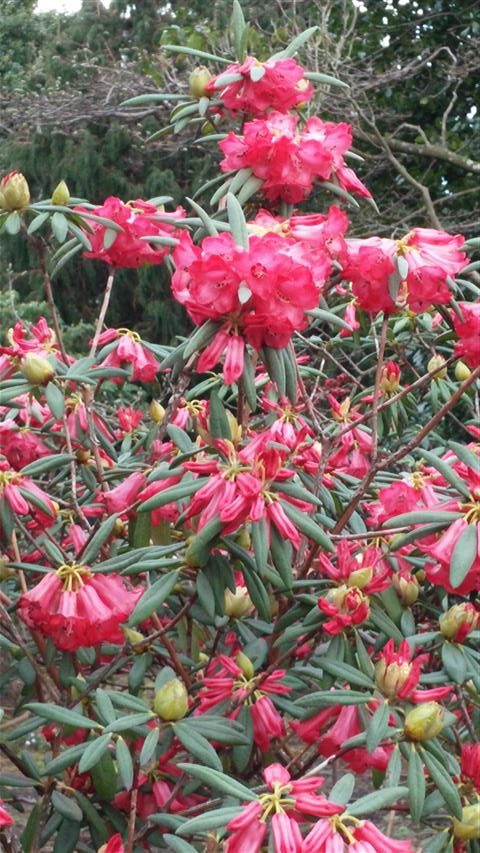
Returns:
<point x="197" y="745"/>
<point x="444" y="782"/>
<point x="57" y="714"/>
<point x="178" y="845"/>
<point x="67" y="807"/>
<point x="149" y="747"/>
<point x="377" y="726"/>
<point x="104" y="777"/>
<point x="210" y="820"/>
<point x="394" y="767"/>
<point x="217" y="728"/>
<point x="93" y="547"/>
<point x="176" y="48"/>
<point x="66" y="759"/>
<point x="346" y="672"/>
<point x="378" y="800"/>
<point x="330" y="698"/>
<point x="13" y="223"/>
<point x="275" y="365"/>
<point x="105" y="705"/>
<point x="342" y="790"/>
<point x="59" y="226"/>
<point x="307" y="526"/>
<point x="238" y="29"/>
<point x="385" y="624"/>
<point x="181" y="439"/>
<point x="241" y="753"/>
<point x="172" y="495"/>
<point x="200" y="338"/>
<point x="291" y="379"/>
<point x="37" y="222"/>
<point x="129" y="722"/>
<point x="282" y="555"/>
<point x="218" y="781"/>
<point x="47" y="463"/>
<point x="260" y="544"/>
<point x="296" y="44"/>
<point x="317" y="77"/>
<point x="93" y="752"/>
<point x="416" y="784"/>
<point x="67" y="836"/>
<point x="198" y="551"/>
<point x="249" y="188"/>
<point x="217" y="420"/>
<point x="469" y="457"/>
<point x="55" y="400"/>
<point x="329" y="317"/>
<point x="463" y="555"/>
<point x="124" y="763"/>
<point x="28" y="834"/>
<point x="237" y="221"/>
<point x="153" y="598"/>
<point x="454" y="662"/>
<point x="447" y="472"/>
<point x="422" y="516"/>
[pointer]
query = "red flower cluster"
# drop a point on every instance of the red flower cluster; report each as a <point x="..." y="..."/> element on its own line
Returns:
<point x="467" y="330"/>
<point x="260" y="295"/>
<point x="77" y="608"/>
<point x="137" y="219"/>
<point x="277" y="84"/>
<point x="129" y="349"/>
<point x="289" y="160"/>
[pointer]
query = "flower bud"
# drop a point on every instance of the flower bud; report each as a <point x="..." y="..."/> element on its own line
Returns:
<point x="424" y="722"/>
<point x="469" y="826"/>
<point x="360" y="578"/>
<point x="390" y="678"/>
<point x="435" y="362"/>
<point x="5" y="572"/>
<point x="198" y="80"/>
<point x="132" y="636"/>
<point x="61" y="194"/>
<point x="83" y="456"/>
<point x="390" y="378"/>
<point x="14" y="191"/>
<point x="457" y="622"/>
<point x="243" y="538"/>
<point x="171" y="701"/>
<point x="462" y="372"/>
<point x="407" y="587"/>
<point x="245" y="665"/>
<point x="157" y="412"/>
<point x="238" y="603"/>
<point x="37" y="369"/>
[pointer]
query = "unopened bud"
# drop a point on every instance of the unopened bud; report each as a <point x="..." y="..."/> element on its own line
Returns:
<point x="243" y="538"/>
<point x="390" y="678"/>
<point x="469" y="826"/>
<point x="462" y="372"/>
<point x="14" y="191"/>
<point x="5" y="572"/>
<point x="457" y="622"/>
<point x="390" y="378"/>
<point x="424" y="722"/>
<point x="132" y="636"/>
<point x="61" y="194"/>
<point x="157" y="412"/>
<point x="434" y="364"/>
<point x="245" y="665"/>
<point x="407" y="587"/>
<point x="37" y="369"/>
<point x="198" y="80"/>
<point x="83" y="456"/>
<point x="360" y="578"/>
<point x="171" y="701"/>
<point x="238" y="603"/>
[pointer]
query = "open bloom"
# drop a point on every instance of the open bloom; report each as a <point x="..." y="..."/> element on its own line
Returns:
<point x="344" y="607"/>
<point x="347" y="833"/>
<point x="77" y="608"/>
<point x="277" y="84"/>
<point x="5" y="818"/>
<point x="289" y="160"/>
<point x="287" y="803"/>
<point x="24" y="497"/>
<point x="397" y="675"/>
<point x="129" y="350"/>
<point x="366" y="570"/>
<point x="467" y="330"/>
<point x="137" y="219"/>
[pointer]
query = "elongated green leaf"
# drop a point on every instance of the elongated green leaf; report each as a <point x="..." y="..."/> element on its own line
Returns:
<point x="464" y="555"/>
<point x="444" y="782"/>
<point x="275" y="365"/>
<point x="197" y="745"/>
<point x="307" y="526"/>
<point x="416" y="784"/>
<point x="198" y="552"/>
<point x="105" y="705"/>
<point x="385" y="624"/>
<point x="423" y="516"/>
<point x="259" y="532"/>
<point x="216" y="728"/>
<point x="317" y="77"/>
<point x="218" y="781"/>
<point x="201" y="338"/>
<point x="219" y="426"/>
<point x="149" y="747"/>
<point x="59" y="225"/>
<point x="129" y="722"/>
<point x="329" y="698"/>
<point x="238" y="30"/>
<point x="378" y="800"/>
<point x="237" y="222"/>
<point x="124" y="763"/>
<point x="282" y="556"/>
<point x="329" y="317"/>
<point x="93" y="752"/>
<point x="454" y="662"/>
<point x="47" y="463"/>
<point x="291" y="379"/>
<point x="66" y="759"/>
<point x="172" y="495"/>
<point x="57" y="714"/>
<point x="446" y="471"/>
<point x="153" y="598"/>
<point x="208" y="222"/>
<point x="469" y="457"/>
<point x="55" y="400"/>
<point x="100" y="537"/>
<point x="191" y="51"/>
<point x="296" y="44"/>
<point x="377" y="726"/>
<point x="249" y="188"/>
<point x="210" y="820"/>
<point x="178" y="845"/>
<point x="342" y="790"/>
<point x="67" y="807"/>
<point x="394" y="768"/>
<point x="346" y="672"/>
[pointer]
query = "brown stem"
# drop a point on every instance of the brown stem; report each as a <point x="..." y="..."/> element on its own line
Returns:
<point x="103" y="311"/>
<point x="377" y="390"/>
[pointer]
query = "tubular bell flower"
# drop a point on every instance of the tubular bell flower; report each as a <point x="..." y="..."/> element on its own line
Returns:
<point x="280" y="810"/>
<point x="347" y="833"/>
<point x="137" y="219"/>
<point x="5" y="818"/>
<point x="77" y="608"/>
<point x="20" y="493"/>
<point x="345" y="607"/>
<point x="277" y="84"/>
<point x="467" y="330"/>
<point x="113" y="845"/>
<point x="129" y="350"/>
<point x="367" y="570"/>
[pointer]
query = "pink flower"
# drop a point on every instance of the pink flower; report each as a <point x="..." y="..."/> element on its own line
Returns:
<point x="361" y="837"/>
<point x="470" y="764"/>
<point x="23" y="495"/>
<point x="5" y="818"/>
<point x="123" y="495"/>
<point x="468" y="332"/>
<point x="281" y="87"/>
<point x="366" y="570"/>
<point x="129" y="350"/>
<point x="137" y="219"/>
<point x="344" y="607"/>
<point x="441" y="550"/>
<point x="77" y="608"/>
<point x="113" y="845"/>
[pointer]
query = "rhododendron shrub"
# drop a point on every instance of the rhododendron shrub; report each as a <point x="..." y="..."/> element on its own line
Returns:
<point x="239" y="571"/>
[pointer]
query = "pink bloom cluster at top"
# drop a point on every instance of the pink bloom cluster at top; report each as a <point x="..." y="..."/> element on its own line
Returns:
<point x="417" y="266"/>
<point x="259" y="295"/>
<point x="137" y="219"/>
<point x="289" y="160"/>
<point x="467" y="330"/>
<point x="277" y="84"/>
